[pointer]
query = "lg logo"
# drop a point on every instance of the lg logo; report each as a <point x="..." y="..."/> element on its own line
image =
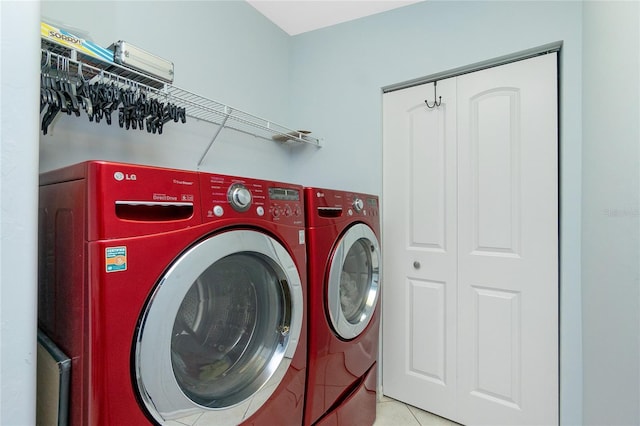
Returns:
<point x="119" y="176"/>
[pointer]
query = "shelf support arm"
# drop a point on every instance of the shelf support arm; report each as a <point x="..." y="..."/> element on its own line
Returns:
<point x="215" y="136"/>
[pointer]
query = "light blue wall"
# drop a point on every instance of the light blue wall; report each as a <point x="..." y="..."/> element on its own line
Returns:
<point x="611" y="213"/>
<point x="329" y="81"/>
<point x="338" y="73"/>
<point x="222" y="50"/>
<point x="19" y="81"/>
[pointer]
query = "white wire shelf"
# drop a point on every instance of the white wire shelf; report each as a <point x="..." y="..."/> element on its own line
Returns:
<point x="58" y="57"/>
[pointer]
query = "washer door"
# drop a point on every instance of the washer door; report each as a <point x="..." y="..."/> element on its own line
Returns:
<point x="354" y="281"/>
<point x="219" y="332"/>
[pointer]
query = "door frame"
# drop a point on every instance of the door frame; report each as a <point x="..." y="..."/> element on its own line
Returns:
<point x="478" y="66"/>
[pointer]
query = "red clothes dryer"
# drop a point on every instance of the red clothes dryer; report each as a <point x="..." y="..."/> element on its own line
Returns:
<point x="179" y="296"/>
<point x="343" y="311"/>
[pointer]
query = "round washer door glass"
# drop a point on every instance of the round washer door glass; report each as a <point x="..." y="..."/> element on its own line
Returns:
<point x="354" y="281"/>
<point x="220" y="329"/>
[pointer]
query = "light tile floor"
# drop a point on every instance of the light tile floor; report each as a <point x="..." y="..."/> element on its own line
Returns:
<point x="390" y="412"/>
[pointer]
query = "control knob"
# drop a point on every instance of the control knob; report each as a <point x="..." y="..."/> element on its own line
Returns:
<point x="358" y="205"/>
<point x="239" y="197"/>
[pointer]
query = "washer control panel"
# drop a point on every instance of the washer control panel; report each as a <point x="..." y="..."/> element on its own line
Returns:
<point x="285" y="202"/>
<point x="227" y="197"/>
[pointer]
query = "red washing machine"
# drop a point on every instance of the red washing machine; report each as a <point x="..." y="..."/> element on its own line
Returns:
<point x="179" y="296"/>
<point x="344" y="284"/>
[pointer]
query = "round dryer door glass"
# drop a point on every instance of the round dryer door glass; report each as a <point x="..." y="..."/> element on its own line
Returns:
<point x="228" y="330"/>
<point x="220" y="330"/>
<point x="354" y="280"/>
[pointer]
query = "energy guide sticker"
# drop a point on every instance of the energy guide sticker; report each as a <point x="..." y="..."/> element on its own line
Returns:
<point x="116" y="259"/>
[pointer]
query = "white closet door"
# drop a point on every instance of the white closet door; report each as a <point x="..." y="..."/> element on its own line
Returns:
<point x="420" y="248"/>
<point x="470" y="298"/>
<point x="508" y="244"/>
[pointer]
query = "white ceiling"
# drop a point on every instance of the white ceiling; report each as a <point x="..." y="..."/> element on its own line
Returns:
<point x="299" y="16"/>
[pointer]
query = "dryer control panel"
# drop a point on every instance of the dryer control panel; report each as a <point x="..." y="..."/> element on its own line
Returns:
<point x="324" y="205"/>
<point x="360" y="204"/>
<point x="232" y="197"/>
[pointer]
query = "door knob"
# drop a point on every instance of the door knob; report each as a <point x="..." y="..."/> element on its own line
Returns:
<point x="416" y="264"/>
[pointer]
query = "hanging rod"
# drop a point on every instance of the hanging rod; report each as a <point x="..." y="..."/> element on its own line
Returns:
<point x="196" y="106"/>
<point x="478" y="66"/>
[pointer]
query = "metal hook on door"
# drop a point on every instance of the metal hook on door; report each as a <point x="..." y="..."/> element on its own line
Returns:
<point x="435" y="103"/>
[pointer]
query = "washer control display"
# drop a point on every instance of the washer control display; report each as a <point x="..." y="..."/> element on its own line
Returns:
<point x="284" y="194"/>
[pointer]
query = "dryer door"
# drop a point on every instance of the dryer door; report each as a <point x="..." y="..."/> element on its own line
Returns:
<point x="219" y="332"/>
<point x="354" y="281"/>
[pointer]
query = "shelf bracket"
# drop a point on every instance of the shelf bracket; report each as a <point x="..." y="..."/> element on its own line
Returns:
<point x="215" y="136"/>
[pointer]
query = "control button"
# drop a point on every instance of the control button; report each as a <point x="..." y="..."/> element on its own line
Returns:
<point x="297" y="211"/>
<point x="358" y="205"/>
<point x="239" y="197"/>
<point x="275" y="211"/>
<point x="260" y="211"/>
<point x="218" y="211"/>
<point x="350" y="212"/>
<point x="287" y="210"/>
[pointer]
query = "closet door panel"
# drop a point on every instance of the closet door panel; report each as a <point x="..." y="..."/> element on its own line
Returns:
<point x="508" y="244"/>
<point x="419" y="217"/>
